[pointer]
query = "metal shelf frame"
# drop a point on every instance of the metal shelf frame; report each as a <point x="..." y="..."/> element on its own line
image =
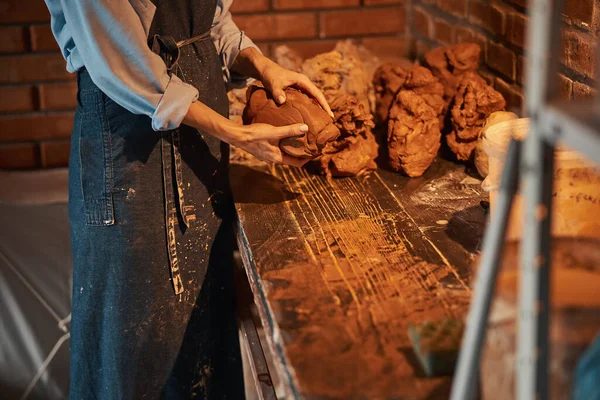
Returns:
<point x="577" y="125"/>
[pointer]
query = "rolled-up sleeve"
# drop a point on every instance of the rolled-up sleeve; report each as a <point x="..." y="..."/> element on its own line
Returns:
<point x="110" y="40"/>
<point x="229" y="41"/>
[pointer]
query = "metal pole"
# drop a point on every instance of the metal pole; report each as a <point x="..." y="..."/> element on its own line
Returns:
<point x="468" y="361"/>
<point x="537" y="169"/>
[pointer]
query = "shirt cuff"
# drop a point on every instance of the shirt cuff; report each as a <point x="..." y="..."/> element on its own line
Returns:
<point x="233" y="80"/>
<point x="173" y="105"/>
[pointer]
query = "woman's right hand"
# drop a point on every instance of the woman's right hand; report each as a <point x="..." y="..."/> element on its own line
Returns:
<point x="260" y="140"/>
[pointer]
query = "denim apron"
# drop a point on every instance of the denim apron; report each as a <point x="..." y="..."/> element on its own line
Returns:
<point x="152" y="237"/>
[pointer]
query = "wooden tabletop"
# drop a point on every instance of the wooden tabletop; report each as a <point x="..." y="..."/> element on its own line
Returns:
<point x="340" y="267"/>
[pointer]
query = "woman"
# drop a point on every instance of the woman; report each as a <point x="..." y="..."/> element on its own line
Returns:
<point x="150" y="207"/>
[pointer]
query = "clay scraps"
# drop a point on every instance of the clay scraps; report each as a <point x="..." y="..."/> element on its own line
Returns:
<point x="413" y="134"/>
<point x="354" y="151"/>
<point x="475" y="100"/>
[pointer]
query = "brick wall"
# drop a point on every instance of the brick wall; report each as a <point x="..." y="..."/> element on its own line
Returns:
<point x="499" y="27"/>
<point x="37" y="95"/>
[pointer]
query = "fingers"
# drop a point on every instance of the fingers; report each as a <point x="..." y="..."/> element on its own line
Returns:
<point x="282" y="132"/>
<point x="293" y="161"/>
<point x="278" y="94"/>
<point x="310" y="87"/>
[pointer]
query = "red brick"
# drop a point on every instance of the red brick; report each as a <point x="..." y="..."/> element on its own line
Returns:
<point x="422" y="22"/>
<point x="468" y="35"/>
<point x="55" y="154"/>
<point x="241" y="6"/>
<point x="17" y="11"/>
<point x="364" y="21"/>
<point x="310" y="48"/>
<point x="18" y="156"/>
<point x="396" y="46"/>
<point x="512" y="94"/>
<point x="14" y="39"/>
<point x="580" y="12"/>
<point x="443" y="31"/>
<point x="376" y="2"/>
<point x="488" y="16"/>
<point x="583" y="92"/>
<point x="306" y="4"/>
<point x="580" y="52"/>
<point x="58" y="96"/>
<point x="278" y="26"/>
<point x="42" y="38"/>
<point x="33" y="67"/>
<point x="515" y="29"/>
<point x="455" y="7"/>
<point x="501" y="59"/>
<point x="17" y="99"/>
<point x="565" y="87"/>
<point x="22" y="128"/>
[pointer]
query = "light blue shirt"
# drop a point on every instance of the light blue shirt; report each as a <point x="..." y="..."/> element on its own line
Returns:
<point x="109" y="39"/>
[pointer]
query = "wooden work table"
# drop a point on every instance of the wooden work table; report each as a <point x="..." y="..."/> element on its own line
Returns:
<point x="340" y="267"/>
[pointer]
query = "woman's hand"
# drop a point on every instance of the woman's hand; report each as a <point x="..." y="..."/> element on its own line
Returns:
<point x="260" y="140"/>
<point x="275" y="78"/>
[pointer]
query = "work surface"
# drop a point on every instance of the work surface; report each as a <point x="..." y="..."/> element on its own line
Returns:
<point x="340" y="267"/>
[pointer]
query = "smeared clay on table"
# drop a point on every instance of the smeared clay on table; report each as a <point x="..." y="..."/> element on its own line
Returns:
<point x="354" y="151"/>
<point x="298" y="108"/>
<point x="413" y="134"/>
<point x="475" y="100"/>
<point x="341" y="71"/>
<point x="450" y="63"/>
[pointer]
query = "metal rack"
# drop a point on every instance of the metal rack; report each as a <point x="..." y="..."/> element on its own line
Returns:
<point x="575" y="124"/>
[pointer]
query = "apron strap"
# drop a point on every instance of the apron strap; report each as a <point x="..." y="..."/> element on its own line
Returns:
<point x="168" y="50"/>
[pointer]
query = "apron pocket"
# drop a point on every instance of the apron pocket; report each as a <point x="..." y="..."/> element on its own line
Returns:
<point x="95" y="152"/>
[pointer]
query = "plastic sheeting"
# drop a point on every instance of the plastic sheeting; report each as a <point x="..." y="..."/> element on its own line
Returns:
<point x="35" y="286"/>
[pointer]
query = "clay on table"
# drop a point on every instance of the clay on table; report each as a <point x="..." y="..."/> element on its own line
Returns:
<point x="475" y="100"/>
<point x="298" y="108"/>
<point x="421" y="81"/>
<point x="354" y="151"/>
<point x="413" y="134"/>
<point x="450" y="63"/>
<point x="339" y="72"/>
<point x="387" y="80"/>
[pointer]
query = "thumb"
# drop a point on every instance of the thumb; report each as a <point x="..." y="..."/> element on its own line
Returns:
<point x="283" y="132"/>
<point x="278" y="95"/>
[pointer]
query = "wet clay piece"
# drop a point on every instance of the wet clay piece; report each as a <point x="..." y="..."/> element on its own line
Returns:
<point x="475" y="100"/>
<point x="413" y="134"/>
<point x="298" y="108"/>
<point x="450" y="63"/>
<point x="354" y="151"/>
<point x="387" y="80"/>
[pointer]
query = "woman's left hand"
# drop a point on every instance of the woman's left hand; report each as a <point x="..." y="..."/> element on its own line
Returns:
<point x="276" y="79"/>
